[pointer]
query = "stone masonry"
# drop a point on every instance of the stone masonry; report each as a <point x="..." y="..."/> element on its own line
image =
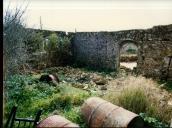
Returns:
<point x="102" y="49"/>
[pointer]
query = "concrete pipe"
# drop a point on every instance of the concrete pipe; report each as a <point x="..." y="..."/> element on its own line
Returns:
<point x="100" y="113"/>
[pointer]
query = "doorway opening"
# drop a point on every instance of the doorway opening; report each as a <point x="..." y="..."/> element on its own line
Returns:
<point x="128" y="55"/>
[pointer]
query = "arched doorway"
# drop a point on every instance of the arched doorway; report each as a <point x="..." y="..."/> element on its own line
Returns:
<point x="128" y="54"/>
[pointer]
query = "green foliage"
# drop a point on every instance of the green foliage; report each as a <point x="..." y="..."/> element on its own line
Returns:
<point x="61" y="102"/>
<point x="58" y="43"/>
<point x="75" y="116"/>
<point x="15" y="88"/>
<point x="23" y="91"/>
<point x="52" y="43"/>
<point x="58" y="49"/>
<point x="134" y="100"/>
<point x="65" y="46"/>
<point x="35" y="42"/>
<point x="30" y="95"/>
<point x="131" y="51"/>
<point x="152" y="122"/>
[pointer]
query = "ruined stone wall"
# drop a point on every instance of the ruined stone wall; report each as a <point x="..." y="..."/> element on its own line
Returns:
<point x="155" y="51"/>
<point x="95" y="49"/>
<point x="102" y="49"/>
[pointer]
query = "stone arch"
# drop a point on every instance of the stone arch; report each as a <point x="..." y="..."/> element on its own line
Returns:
<point x="121" y="43"/>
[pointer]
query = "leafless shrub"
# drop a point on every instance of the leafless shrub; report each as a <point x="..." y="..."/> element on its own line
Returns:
<point x="15" y="36"/>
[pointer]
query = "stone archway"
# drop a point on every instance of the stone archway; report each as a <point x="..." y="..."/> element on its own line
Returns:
<point x="101" y="50"/>
<point x="125" y="52"/>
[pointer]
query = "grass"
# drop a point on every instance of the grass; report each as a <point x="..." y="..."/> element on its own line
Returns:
<point x="139" y="98"/>
<point x="30" y="95"/>
<point x="130" y="98"/>
<point x="138" y="95"/>
<point x="75" y="116"/>
<point x="134" y="100"/>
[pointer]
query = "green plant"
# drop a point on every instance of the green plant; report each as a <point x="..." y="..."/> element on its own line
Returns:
<point x="138" y="100"/>
<point x="52" y="44"/>
<point x="75" y="116"/>
<point x="152" y="122"/>
<point x="131" y="51"/>
<point x="35" y="42"/>
<point x="61" y="102"/>
<point x="134" y="100"/>
<point x="30" y="95"/>
<point x="58" y="49"/>
<point x="23" y="90"/>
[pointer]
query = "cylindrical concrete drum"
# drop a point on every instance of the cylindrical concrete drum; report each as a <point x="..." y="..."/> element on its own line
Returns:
<point x="100" y="113"/>
<point x="56" y="121"/>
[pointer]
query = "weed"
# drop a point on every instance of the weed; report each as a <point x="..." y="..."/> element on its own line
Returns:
<point x="75" y="116"/>
<point x="137" y="100"/>
<point x="134" y="100"/>
<point x="152" y="122"/>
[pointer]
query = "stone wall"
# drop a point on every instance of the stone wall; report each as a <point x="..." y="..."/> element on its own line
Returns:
<point x="102" y="49"/>
<point x="96" y="49"/>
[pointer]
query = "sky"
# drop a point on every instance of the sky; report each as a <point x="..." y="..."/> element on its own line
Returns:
<point x="94" y="15"/>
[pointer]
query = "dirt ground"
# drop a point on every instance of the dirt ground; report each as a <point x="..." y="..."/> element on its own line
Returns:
<point x="129" y="65"/>
<point x="112" y="82"/>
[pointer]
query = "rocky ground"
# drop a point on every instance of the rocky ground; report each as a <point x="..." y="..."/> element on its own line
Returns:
<point x="108" y="85"/>
<point x="111" y="82"/>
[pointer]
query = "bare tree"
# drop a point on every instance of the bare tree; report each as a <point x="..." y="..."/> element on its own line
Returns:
<point x="15" y="36"/>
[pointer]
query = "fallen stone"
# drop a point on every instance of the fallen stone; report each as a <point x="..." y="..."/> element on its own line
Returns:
<point x="99" y="80"/>
<point x="170" y="103"/>
<point x="103" y="88"/>
<point x="78" y="85"/>
<point x="162" y="86"/>
<point x="86" y="87"/>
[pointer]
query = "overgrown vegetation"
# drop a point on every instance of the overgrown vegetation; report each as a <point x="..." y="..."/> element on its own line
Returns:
<point x="35" y="43"/>
<point x="58" y="49"/>
<point x="151" y="122"/>
<point x="15" y="37"/>
<point x="30" y="95"/>
<point x="66" y="99"/>
<point x="137" y="100"/>
<point x="25" y="48"/>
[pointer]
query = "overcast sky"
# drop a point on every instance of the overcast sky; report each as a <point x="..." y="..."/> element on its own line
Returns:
<point x="95" y="15"/>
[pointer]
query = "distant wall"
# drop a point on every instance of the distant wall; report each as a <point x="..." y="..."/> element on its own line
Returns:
<point x="102" y="49"/>
<point x="96" y="49"/>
